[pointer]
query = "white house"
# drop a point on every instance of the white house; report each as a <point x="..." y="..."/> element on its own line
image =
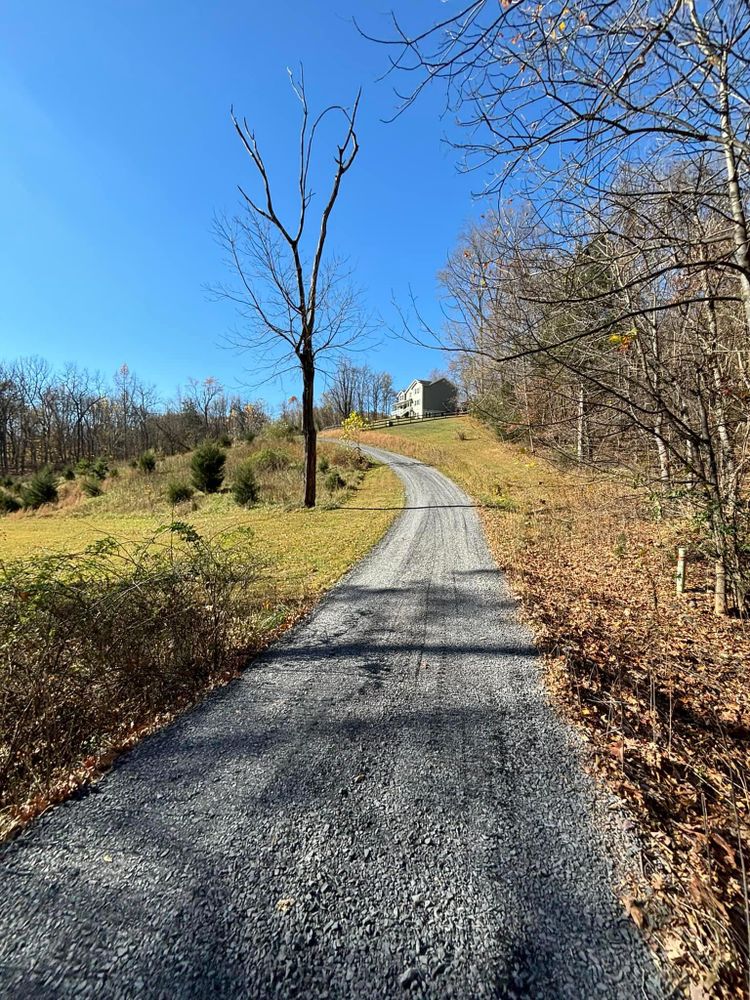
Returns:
<point x="423" y="398"/>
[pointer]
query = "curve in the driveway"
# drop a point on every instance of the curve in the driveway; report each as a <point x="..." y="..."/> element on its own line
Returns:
<point x="384" y="804"/>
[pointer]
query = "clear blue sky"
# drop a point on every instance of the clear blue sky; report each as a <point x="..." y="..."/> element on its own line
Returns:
<point x="118" y="151"/>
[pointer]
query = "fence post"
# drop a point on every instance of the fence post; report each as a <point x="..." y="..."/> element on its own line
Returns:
<point x="680" y="577"/>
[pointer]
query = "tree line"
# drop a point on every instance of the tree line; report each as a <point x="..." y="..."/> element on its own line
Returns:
<point x="57" y="417"/>
<point x="356" y="389"/>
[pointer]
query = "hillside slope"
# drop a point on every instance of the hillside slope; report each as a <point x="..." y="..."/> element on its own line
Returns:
<point x="657" y="684"/>
<point x="384" y="807"/>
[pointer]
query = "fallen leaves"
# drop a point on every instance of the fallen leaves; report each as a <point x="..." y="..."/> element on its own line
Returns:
<point x="635" y="910"/>
<point x="659" y="687"/>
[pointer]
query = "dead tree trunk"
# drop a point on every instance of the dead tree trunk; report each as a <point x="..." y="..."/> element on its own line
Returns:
<point x="309" y="430"/>
<point x="302" y="305"/>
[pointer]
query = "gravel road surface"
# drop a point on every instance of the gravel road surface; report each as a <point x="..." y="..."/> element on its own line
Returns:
<point x="384" y="805"/>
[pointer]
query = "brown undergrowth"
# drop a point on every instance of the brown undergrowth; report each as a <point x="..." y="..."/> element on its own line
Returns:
<point x="657" y="684"/>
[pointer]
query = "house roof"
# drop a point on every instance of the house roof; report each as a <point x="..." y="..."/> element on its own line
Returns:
<point x="425" y="381"/>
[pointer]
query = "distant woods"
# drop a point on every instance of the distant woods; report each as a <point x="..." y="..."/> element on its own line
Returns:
<point x="57" y="417"/>
<point x="356" y="389"/>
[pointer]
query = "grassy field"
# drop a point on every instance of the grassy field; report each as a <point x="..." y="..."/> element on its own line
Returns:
<point x="472" y="456"/>
<point x="656" y="684"/>
<point x="303" y="552"/>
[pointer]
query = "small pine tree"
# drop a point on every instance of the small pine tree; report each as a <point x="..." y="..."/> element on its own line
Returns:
<point x="207" y="467"/>
<point x="323" y="464"/>
<point x="334" y="481"/>
<point x="92" y="487"/>
<point x="147" y="462"/>
<point x="179" y="492"/>
<point x="244" y="486"/>
<point x="40" y="489"/>
<point x="8" y="503"/>
<point x="100" y="468"/>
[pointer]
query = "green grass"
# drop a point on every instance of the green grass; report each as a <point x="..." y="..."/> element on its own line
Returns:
<point x="303" y="551"/>
<point x="437" y="431"/>
<point x="495" y="473"/>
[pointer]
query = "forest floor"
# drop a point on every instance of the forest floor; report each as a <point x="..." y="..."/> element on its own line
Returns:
<point x="656" y="684"/>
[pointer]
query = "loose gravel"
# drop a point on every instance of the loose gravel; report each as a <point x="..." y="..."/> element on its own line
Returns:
<point x="384" y="805"/>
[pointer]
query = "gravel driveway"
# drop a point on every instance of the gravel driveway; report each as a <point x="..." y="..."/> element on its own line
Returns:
<point x="383" y="805"/>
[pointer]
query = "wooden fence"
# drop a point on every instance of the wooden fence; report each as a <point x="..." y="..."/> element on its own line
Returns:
<point x="374" y="425"/>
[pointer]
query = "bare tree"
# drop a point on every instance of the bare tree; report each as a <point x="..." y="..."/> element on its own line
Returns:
<point x="341" y="394"/>
<point x="56" y="418"/>
<point x="208" y="399"/>
<point x="299" y="303"/>
<point x="623" y="305"/>
<point x="357" y="388"/>
<point x="628" y="349"/>
<point x="557" y="99"/>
